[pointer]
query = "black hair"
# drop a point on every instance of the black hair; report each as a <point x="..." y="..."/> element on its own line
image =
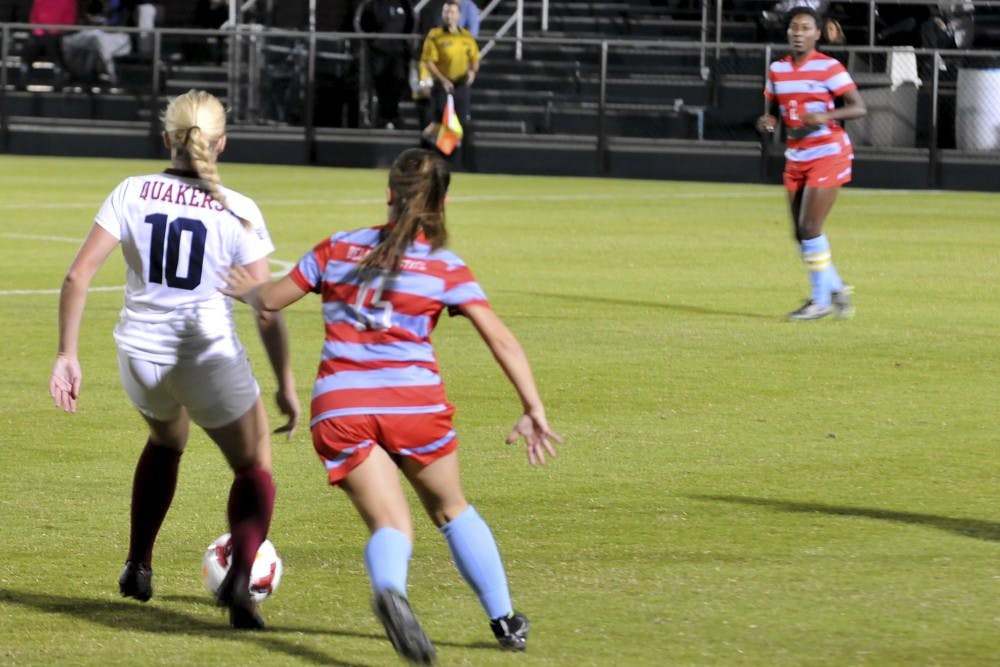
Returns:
<point x="803" y="9"/>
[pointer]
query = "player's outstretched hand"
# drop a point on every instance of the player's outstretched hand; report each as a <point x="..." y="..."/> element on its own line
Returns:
<point x="64" y="385"/>
<point x="537" y="434"/>
<point x="239" y="282"/>
<point x="288" y="403"/>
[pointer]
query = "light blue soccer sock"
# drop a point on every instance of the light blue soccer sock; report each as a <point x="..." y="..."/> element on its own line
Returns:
<point x="478" y="560"/>
<point x="387" y="559"/>
<point x="836" y="284"/>
<point x="816" y="256"/>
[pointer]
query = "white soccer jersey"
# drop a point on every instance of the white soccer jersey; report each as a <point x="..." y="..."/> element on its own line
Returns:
<point x="176" y="240"/>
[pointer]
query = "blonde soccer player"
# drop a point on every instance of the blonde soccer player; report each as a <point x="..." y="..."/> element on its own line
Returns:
<point x="179" y="356"/>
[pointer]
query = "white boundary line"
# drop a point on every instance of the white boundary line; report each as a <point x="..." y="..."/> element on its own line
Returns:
<point x="37" y="237"/>
<point x="283" y="266"/>
<point x="17" y="292"/>
<point x="519" y="198"/>
<point x="286" y="266"/>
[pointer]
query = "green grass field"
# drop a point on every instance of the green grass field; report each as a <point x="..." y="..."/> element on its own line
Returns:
<point x="734" y="489"/>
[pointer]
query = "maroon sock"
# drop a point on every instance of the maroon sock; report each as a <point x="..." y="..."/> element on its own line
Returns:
<point x="152" y="492"/>
<point x="251" y="501"/>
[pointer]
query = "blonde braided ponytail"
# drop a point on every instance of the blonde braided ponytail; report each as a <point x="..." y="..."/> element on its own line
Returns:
<point x="194" y="123"/>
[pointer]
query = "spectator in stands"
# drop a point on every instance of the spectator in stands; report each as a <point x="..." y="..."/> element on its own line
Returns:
<point x="90" y="54"/>
<point x="469" y="18"/>
<point x="803" y="86"/>
<point x="45" y="43"/>
<point x="899" y="25"/>
<point x="833" y="32"/>
<point x="451" y="55"/>
<point x="951" y="25"/>
<point x="389" y="59"/>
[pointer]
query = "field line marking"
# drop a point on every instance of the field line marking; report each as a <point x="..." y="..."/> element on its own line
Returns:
<point x="283" y="268"/>
<point x="38" y="237"/>
<point x="654" y="196"/>
<point x="16" y="292"/>
<point x="50" y="206"/>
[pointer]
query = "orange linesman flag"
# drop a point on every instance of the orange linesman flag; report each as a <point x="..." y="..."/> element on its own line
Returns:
<point x="450" y="134"/>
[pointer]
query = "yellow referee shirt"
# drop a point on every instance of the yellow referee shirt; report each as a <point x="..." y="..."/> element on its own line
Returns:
<point x="453" y="53"/>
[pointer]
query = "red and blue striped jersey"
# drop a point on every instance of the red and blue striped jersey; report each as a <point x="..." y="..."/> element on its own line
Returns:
<point x="810" y="86"/>
<point x="378" y="357"/>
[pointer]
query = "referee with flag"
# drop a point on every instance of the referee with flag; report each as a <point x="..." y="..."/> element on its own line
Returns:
<point x="451" y="55"/>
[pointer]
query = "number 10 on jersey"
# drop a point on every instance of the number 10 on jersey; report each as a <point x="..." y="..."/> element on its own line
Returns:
<point x="181" y="243"/>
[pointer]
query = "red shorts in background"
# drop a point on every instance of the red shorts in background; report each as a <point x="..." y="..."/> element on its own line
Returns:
<point x="342" y="443"/>
<point x="824" y="172"/>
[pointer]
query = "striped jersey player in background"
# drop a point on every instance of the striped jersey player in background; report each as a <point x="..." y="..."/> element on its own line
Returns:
<point x="379" y="401"/>
<point x="178" y="353"/>
<point x="804" y="85"/>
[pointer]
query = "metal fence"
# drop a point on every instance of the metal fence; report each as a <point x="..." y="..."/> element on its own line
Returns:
<point x="920" y="100"/>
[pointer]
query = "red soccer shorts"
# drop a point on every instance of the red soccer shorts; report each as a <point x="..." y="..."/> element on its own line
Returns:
<point x="343" y="443"/>
<point x="824" y="172"/>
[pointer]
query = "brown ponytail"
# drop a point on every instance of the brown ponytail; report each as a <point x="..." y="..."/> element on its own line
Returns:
<point x="419" y="182"/>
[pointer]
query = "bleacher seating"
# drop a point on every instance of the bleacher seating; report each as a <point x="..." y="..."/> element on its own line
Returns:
<point x="650" y="91"/>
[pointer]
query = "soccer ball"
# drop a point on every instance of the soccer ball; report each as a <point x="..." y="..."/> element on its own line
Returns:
<point x="264" y="577"/>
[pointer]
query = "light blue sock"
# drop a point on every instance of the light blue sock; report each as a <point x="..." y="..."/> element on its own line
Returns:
<point x="387" y="559"/>
<point x="478" y="560"/>
<point x="836" y="284"/>
<point x="816" y="255"/>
